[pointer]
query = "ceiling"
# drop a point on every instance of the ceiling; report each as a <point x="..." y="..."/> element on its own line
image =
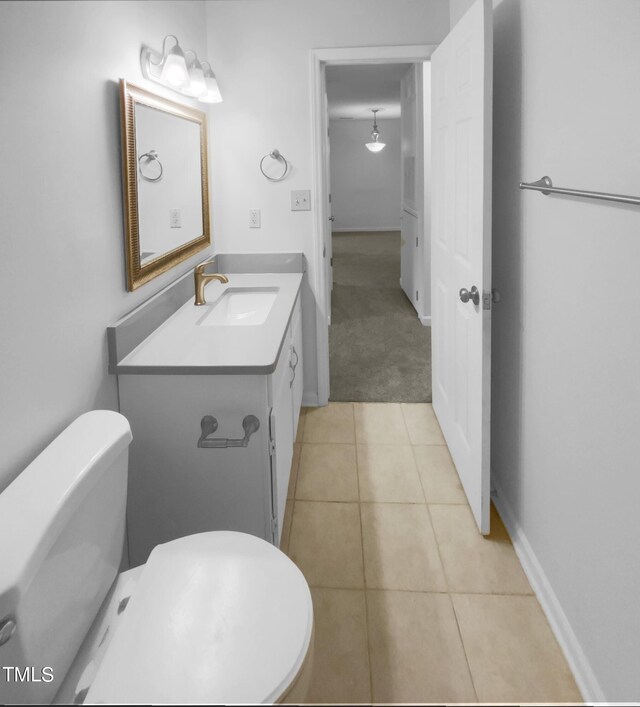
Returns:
<point x="352" y="91"/>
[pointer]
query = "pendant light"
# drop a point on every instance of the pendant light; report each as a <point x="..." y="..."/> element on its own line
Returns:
<point x="375" y="145"/>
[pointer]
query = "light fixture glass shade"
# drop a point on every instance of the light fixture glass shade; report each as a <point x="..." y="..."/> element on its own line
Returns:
<point x="174" y="68"/>
<point x="212" y="93"/>
<point x="375" y="146"/>
<point x="197" y="84"/>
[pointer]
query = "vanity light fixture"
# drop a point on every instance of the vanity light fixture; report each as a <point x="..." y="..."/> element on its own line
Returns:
<point x="172" y="69"/>
<point x="375" y="145"/>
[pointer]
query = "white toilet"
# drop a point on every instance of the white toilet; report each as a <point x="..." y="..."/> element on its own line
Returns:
<point x="218" y="617"/>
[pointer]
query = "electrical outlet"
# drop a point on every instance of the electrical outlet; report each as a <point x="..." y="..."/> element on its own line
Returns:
<point x="254" y="218"/>
<point x="175" y="218"/>
<point x="300" y="200"/>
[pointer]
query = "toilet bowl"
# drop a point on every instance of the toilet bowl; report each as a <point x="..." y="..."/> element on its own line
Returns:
<point x="218" y="617"/>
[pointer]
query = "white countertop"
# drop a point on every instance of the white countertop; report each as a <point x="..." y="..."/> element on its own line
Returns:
<point x="179" y="345"/>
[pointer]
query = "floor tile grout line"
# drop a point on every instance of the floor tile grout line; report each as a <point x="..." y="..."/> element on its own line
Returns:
<point x="330" y="402"/>
<point x="453" y="609"/>
<point x="366" y="628"/>
<point x="406" y="426"/>
<point x="394" y="444"/>
<point x="364" y="575"/>
<point x="448" y="593"/>
<point x="375" y="444"/>
<point x="386" y="503"/>
<point x="435" y="537"/>
<point x="415" y="461"/>
<point x="366" y="609"/>
<point x="421" y="591"/>
<point x="326" y="444"/>
<point x="464" y="648"/>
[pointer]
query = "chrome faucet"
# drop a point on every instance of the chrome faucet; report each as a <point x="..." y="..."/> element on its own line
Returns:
<point x="201" y="280"/>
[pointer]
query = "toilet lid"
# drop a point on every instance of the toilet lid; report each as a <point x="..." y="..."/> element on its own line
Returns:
<point x="216" y="617"/>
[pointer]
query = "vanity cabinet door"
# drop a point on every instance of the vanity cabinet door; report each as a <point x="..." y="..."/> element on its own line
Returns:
<point x="297" y="369"/>
<point x="177" y="484"/>
<point x="281" y="434"/>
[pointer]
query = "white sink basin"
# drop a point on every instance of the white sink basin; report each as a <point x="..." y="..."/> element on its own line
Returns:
<point x="241" y="307"/>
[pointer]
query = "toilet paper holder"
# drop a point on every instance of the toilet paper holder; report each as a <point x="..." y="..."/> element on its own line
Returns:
<point x="209" y="424"/>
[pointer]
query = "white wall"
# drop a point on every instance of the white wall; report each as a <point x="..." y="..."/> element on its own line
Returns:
<point x="365" y="186"/>
<point x="566" y="381"/>
<point x="61" y="247"/>
<point x="457" y="8"/>
<point x="261" y="55"/>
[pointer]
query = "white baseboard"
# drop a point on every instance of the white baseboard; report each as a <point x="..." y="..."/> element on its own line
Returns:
<point x="357" y="230"/>
<point x="426" y="321"/>
<point x="582" y="671"/>
<point x="310" y="400"/>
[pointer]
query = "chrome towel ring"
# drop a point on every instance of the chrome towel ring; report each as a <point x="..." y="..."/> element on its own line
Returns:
<point x="275" y="155"/>
<point x="151" y="156"/>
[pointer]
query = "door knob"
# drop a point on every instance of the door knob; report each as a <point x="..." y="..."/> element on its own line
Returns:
<point x="473" y="295"/>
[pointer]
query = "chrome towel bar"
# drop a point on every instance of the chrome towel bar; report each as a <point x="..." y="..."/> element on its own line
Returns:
<point x="545" y="185"/>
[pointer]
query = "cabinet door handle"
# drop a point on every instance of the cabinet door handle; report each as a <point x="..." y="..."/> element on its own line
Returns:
<point x="209" y="424"/>
<point x="293" y="366"/>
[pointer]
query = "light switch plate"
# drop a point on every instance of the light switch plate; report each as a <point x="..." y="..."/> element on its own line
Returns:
<point x="300" y="200"/>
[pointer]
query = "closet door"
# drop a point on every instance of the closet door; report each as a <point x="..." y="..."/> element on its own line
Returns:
<point x="412" y="165"/>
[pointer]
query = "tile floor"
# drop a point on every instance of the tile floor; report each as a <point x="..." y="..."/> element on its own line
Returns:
<point x="411" y="603"/>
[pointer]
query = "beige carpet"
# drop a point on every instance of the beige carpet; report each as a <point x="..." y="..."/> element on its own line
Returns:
<point x="379" y="350"/>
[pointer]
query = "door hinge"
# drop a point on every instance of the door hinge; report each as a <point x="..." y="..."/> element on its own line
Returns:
<point x="274" y="527"/>
<point x="416" y="241"/>
<point x="417" y="295"/>
<point x="272" y="447"/>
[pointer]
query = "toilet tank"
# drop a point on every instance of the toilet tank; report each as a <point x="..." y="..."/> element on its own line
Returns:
<point x="61" y="537"/>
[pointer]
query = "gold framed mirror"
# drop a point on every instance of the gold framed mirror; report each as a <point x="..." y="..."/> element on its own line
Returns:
<point x="166" y="186"/>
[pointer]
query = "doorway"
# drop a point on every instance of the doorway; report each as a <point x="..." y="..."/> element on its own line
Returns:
<point x="461" y="68"/>
<point x="321" y="60"/>
<point x="378" y="283"/>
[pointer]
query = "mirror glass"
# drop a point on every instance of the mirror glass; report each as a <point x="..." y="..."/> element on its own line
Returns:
<point x="165" y="183"/>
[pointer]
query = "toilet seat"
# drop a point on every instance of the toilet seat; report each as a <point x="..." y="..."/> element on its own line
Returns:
<point x="220" y="617"/>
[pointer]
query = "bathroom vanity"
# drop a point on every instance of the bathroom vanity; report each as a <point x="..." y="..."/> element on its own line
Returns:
<point x="213" y="396"/>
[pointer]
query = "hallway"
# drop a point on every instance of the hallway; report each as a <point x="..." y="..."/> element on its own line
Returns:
<point x="411" y="604"/>
<point x="379" y="350"/>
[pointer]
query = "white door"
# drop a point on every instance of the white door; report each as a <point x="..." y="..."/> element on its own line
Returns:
<point x="461" y="248"/>
<point x="410" y="254"/>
